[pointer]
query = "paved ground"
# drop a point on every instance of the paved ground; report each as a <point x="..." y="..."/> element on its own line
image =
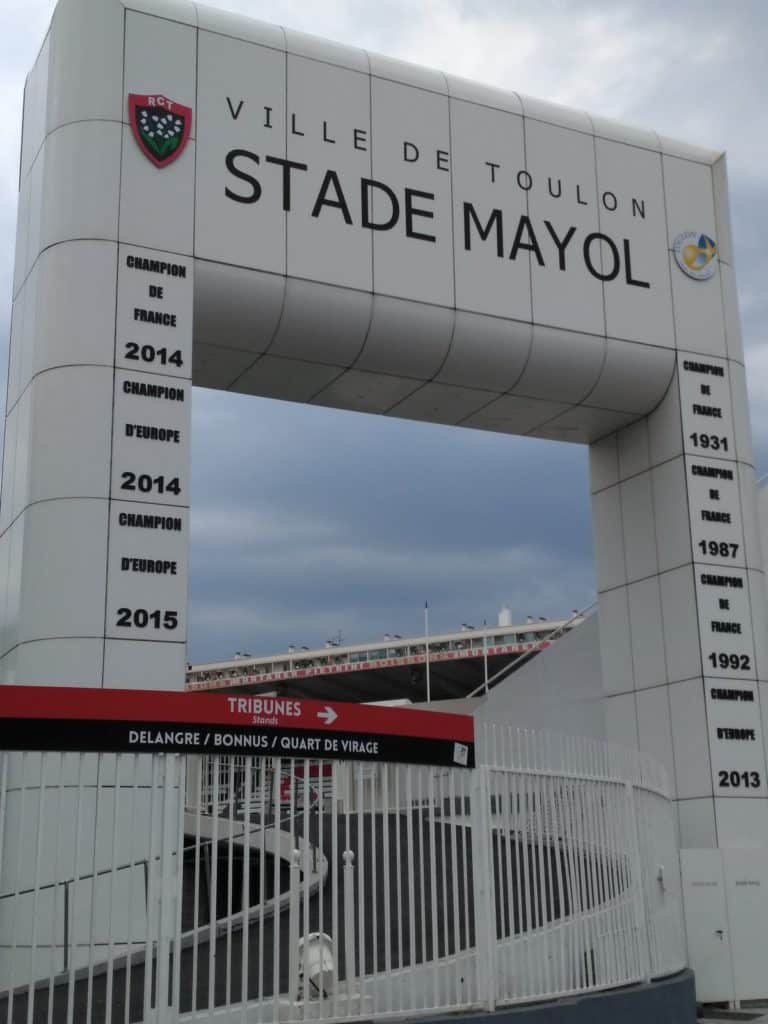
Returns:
<point x="753" y="1014"/>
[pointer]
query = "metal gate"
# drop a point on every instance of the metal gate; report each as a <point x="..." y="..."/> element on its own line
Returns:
<point x="172" y="887"/>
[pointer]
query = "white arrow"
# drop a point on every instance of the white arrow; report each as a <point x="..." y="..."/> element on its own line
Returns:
<point x="328" y="715"/>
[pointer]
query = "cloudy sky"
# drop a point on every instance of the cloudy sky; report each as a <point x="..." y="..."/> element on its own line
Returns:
<point x="309" y="522"/>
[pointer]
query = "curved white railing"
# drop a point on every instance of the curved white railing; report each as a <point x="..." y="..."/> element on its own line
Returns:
<point x="363" y="890"/>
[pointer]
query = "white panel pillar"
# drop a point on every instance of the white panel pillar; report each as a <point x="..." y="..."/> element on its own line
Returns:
<point x="95" y="489"/>
<point x="95" y="494"/>
<point x="679" y="564"/>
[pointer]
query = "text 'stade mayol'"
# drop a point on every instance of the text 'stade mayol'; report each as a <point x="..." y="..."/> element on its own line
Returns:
<point x="255" y="178"/>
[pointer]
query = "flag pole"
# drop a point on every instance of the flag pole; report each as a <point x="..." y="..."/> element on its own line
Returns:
<point x="426" y="653"/>
<point x="485" y="656"/>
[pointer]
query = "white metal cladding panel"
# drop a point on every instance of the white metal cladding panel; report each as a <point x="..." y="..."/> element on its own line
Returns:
<point x="352" y="890"/>
<point x="420" y="149"/>
<point x="398" y="184"/>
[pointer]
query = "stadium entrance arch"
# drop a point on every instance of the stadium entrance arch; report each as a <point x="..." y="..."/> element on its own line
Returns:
<point x="209" y="200"/>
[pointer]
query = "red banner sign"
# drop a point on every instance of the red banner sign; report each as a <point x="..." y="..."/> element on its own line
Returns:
<point x="75" y="718"/>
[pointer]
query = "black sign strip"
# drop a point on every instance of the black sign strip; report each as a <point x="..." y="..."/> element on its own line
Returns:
<point x="89" y="736"/>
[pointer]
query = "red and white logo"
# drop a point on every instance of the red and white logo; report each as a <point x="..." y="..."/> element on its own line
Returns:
<point x="160" y="126"/>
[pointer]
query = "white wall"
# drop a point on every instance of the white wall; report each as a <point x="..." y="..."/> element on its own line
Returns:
<point x="560" y="690"/>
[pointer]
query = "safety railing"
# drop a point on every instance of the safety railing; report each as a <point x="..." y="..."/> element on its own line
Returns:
<point x="139" y="887"/>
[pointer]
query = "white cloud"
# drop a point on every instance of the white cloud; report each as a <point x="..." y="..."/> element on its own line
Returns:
<point x="237" y="527"/>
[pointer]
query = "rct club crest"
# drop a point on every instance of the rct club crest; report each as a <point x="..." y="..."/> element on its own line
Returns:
<point x="160" y="126"/>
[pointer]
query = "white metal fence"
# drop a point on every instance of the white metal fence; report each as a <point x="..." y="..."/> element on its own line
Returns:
<point x="164" y="887"/>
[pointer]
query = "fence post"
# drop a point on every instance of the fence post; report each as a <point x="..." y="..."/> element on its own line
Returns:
<point x="168" y="884"/>
<point x="193" y="780"/>
<point x="483" y="888"/>
<point x="294" y="898"/>
<point x="349" y="922"/>
<point x="638" y="885"/>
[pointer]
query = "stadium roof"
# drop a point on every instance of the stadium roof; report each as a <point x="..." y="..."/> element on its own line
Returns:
<point x="439" y="667"/>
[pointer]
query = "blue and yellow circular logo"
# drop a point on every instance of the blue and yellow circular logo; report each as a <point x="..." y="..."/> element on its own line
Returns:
<point x="695" y="254"/>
